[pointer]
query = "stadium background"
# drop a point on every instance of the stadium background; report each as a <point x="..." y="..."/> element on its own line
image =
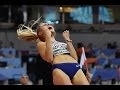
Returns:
<point x="96" y="24"/>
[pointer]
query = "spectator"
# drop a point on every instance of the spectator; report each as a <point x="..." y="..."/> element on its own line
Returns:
<point x="90" y="52"/>
<point x="24" y="80"/>
<point x="99" y="80"/>
<point x="114" y="45"/>
<point x="101" y="55"/>
<point x="113" y="81"/>
<point x="10" y="55"/>
<point x="117" y="53"/>
<point x="1" y="44"/>
<point x="1" y="54"/>
<point x="109" y="45"/>
<point x="11" y="45"/>
<point x="79" y="50"/>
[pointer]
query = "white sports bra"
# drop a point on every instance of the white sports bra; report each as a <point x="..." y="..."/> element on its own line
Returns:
<point x="59" y="48"/>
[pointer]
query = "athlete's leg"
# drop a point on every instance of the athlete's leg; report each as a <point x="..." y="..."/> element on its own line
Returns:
<point x="80" y="78"/>
<point x="60" y="78"/>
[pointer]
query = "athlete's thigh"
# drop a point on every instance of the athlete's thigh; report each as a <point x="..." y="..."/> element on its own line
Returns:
<point x="80" y="78"/>
<point x="60" y="78"/>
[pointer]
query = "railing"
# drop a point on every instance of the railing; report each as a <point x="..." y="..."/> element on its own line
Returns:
<point x="89" y="27"/>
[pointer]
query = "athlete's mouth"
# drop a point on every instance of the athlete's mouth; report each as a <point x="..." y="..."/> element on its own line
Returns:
<point x="49" y="28"/>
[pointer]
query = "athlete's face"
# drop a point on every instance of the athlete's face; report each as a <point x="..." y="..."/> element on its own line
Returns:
<point x="48" y="26"/>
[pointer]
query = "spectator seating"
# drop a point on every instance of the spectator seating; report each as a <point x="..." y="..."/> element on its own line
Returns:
<point x="109" y="52"/>
<point x="101" y="61"/>
<point x="105" y="74"/>
<point x="15" y="62"/>
<point x="7" y="51"/>
<point x="12" y="73"/>
<point x="115" y="61"/>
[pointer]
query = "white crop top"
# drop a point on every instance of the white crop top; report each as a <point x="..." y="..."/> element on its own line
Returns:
<point x="59" y="48"/>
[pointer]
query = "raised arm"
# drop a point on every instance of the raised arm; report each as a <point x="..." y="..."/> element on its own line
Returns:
<point x="71" y="48"/>
<point x="44" y="52"/>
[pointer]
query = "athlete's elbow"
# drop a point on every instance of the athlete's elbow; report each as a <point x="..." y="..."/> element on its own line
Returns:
<point x="49" y="59"/>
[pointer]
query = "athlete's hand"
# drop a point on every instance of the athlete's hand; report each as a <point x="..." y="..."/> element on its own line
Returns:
<point x="66" y="35"/>
<point x="88" y="76"/>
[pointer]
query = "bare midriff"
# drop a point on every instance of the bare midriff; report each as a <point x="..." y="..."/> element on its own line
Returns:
<point x="63" y="59"/>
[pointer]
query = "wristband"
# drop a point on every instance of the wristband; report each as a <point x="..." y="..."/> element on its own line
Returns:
<point x="69" y="40"/>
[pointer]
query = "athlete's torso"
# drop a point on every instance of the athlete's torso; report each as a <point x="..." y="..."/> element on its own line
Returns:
<point x="59" y="48"/>
<point x="61" y="54"/>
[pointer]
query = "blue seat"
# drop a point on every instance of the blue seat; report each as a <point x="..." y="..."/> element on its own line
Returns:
<point x="96" y="51"/>
<point x="16" y="62"/>
<point x="10" y="73"/>
<point x="2" y="77"/>
<point x="6" y="51"/>
<point x="101" y="61"/>
<point x="109" y="52"/>
<point x="105" y="74"/>
<point x="115" y="61"/>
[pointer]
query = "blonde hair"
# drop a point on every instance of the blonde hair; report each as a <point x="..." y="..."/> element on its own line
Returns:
<point x="27" y="33"/>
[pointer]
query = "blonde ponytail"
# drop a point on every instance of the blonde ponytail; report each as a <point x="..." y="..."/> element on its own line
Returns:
<point x="26" y="33"/>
